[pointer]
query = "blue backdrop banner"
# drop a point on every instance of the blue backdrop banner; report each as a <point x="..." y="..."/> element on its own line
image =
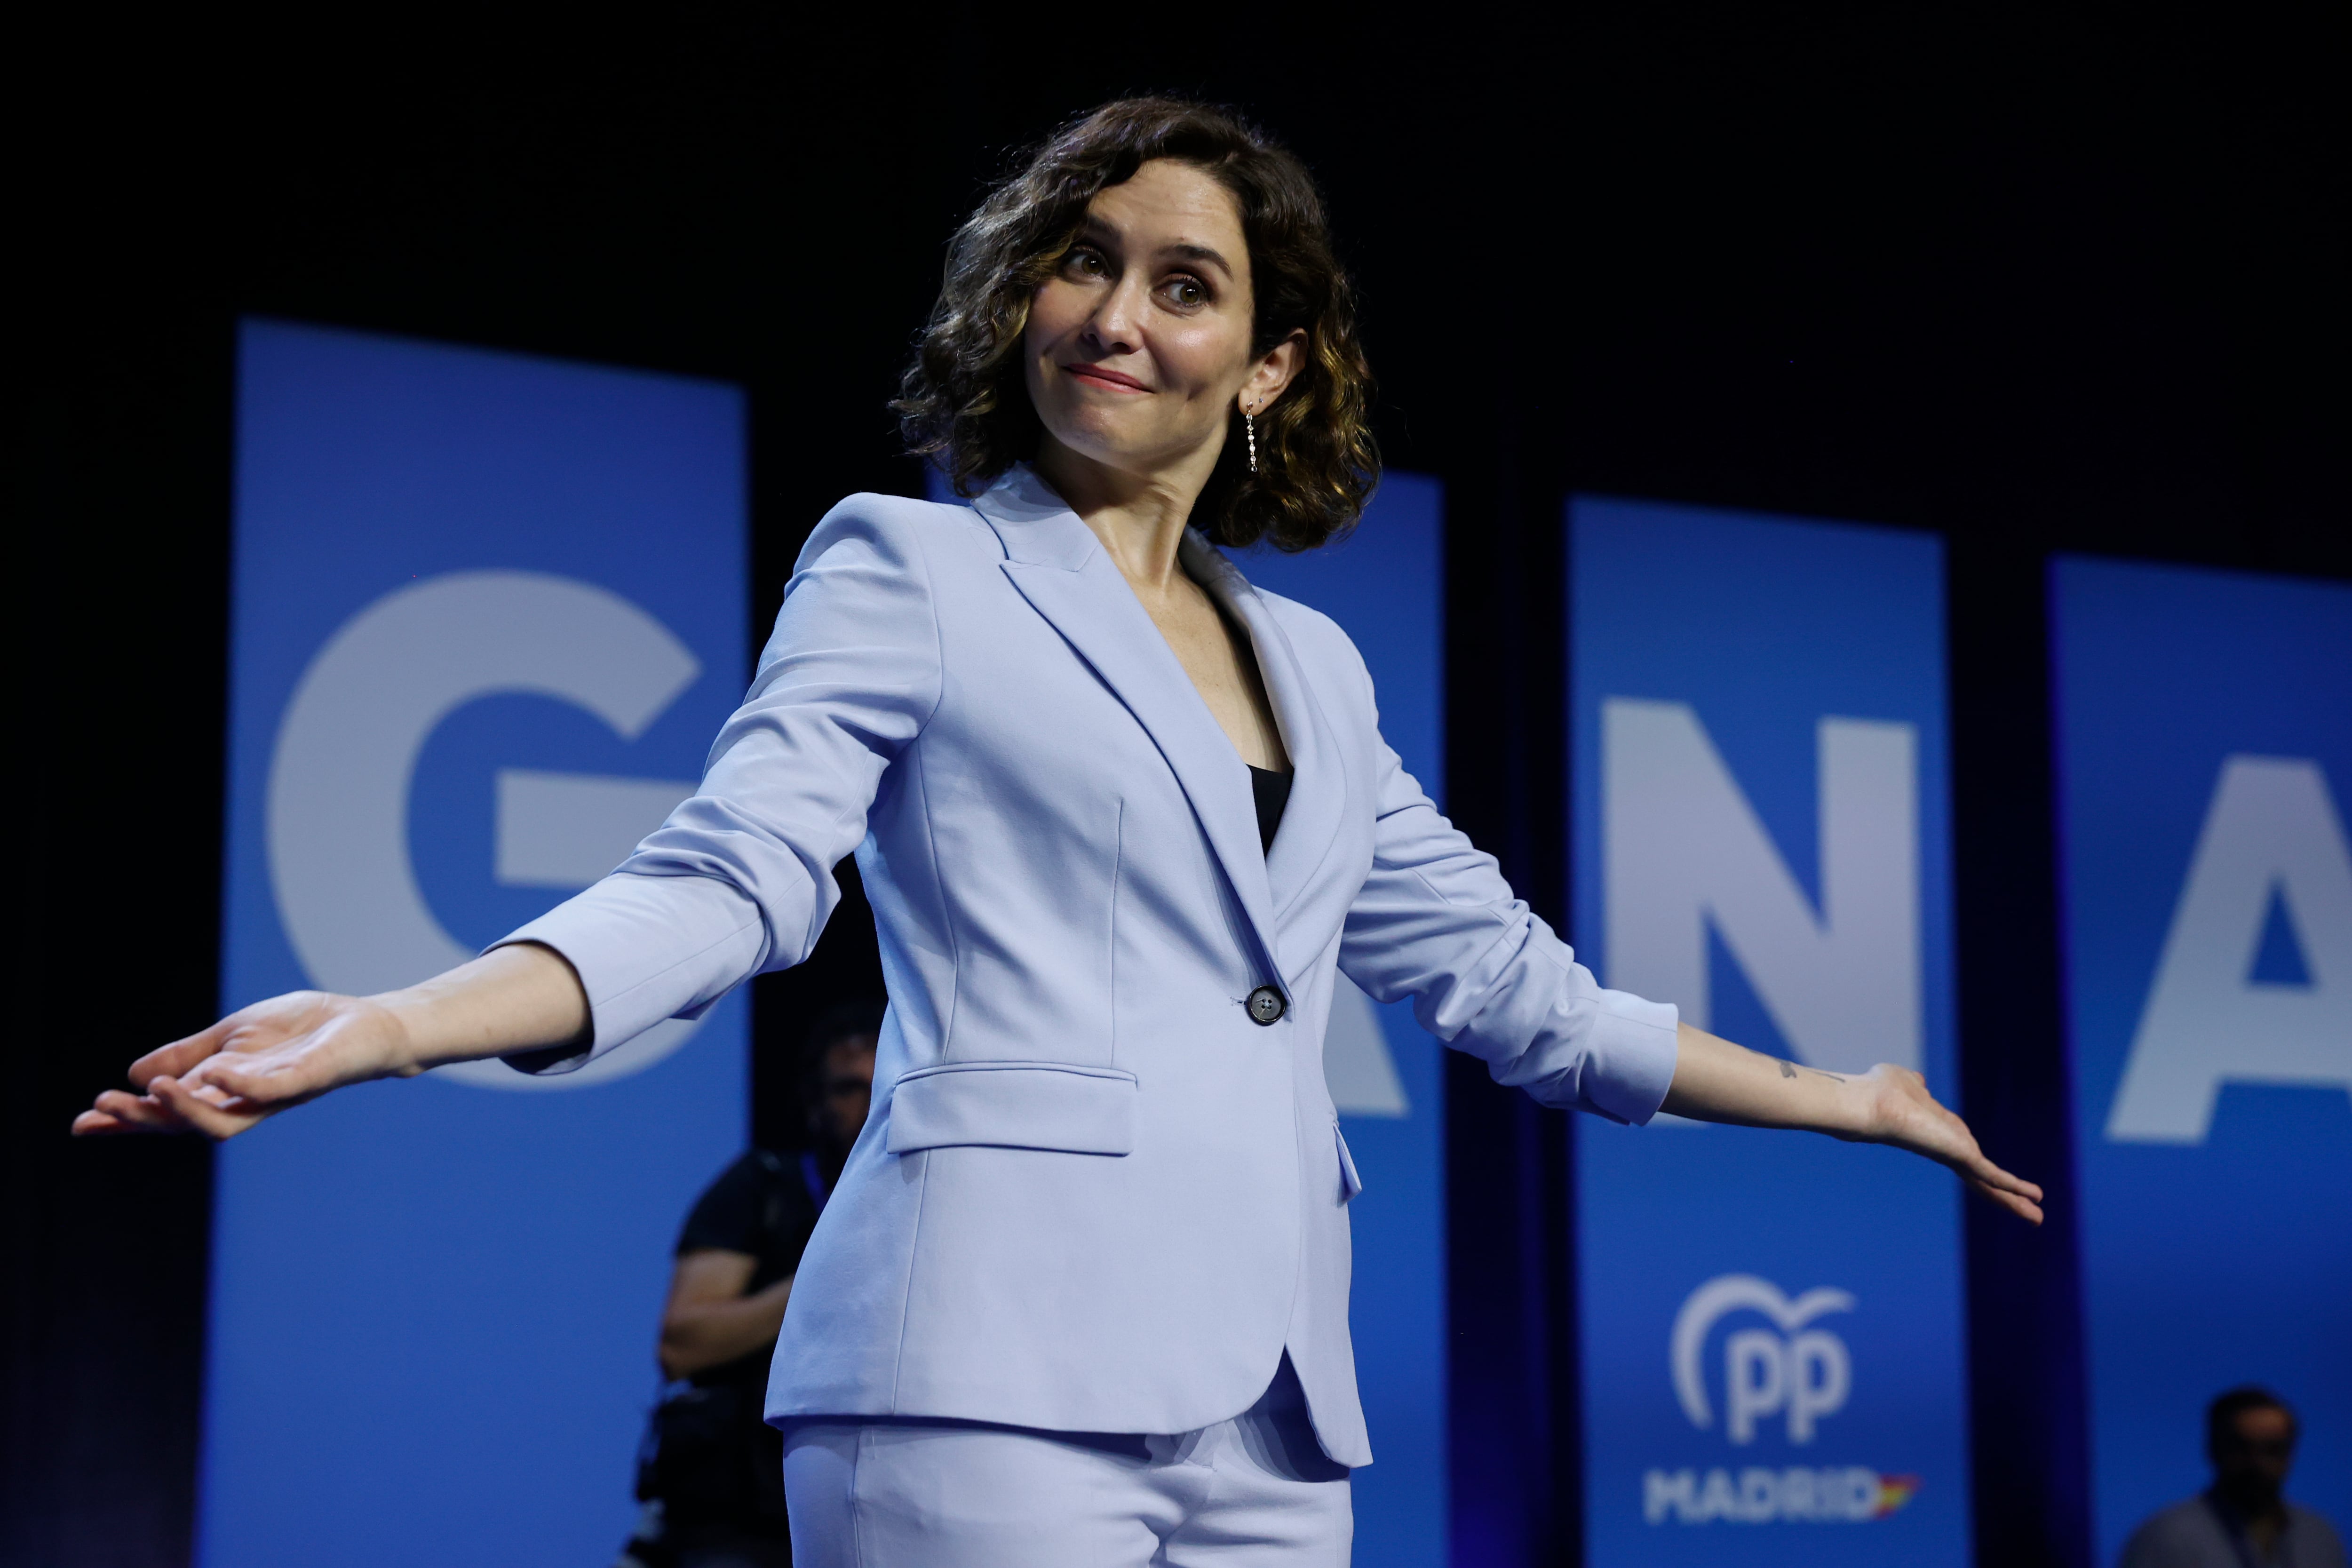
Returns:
<point x="1771" y="1340"/>
<point x="1385" y="586"/>
<point x="2204" y="745"/>
<point x="489" y="613"/>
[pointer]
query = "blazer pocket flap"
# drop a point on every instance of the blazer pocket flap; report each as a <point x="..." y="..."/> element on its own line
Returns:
<point x="1350" y="1183"/>
<point x="1014" y="1105"/>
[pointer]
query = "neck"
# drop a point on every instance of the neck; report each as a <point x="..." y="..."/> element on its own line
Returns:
<point x="1139" y="517"/>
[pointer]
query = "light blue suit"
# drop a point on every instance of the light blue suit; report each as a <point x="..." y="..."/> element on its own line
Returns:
<point x="1093" y="1194"/>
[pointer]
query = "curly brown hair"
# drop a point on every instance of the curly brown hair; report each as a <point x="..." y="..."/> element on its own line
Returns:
<point x="963" y="403"/>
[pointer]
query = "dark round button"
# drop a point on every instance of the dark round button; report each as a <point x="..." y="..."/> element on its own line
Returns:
<point x="1265" y="1004"/>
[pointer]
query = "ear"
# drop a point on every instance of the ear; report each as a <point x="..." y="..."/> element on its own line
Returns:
<point x="1273" y="372"/>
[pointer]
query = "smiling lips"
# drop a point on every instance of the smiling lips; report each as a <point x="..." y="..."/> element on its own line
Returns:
<point x="1106" y="378"/>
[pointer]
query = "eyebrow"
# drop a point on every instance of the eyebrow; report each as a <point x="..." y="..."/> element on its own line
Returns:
<point x="1203" y="253"/>
<point x="1094" y="230"/>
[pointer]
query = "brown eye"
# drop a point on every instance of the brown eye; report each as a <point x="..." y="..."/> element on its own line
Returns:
<point x="1188" y="292"/>
<point x="1084" y="262"/>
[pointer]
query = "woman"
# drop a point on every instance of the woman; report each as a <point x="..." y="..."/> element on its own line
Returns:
<point x="1081" y="1294"/>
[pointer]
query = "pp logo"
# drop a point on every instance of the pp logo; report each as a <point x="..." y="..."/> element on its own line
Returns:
<point x="1789" y="1370"/>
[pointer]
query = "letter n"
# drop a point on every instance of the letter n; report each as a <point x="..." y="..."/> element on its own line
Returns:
<point x="1682" y="847"/>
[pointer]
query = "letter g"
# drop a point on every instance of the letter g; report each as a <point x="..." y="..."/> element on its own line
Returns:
<point x="347" y="750"/>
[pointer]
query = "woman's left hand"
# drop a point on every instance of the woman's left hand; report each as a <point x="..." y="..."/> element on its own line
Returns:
<point x="1902" y="1112"/>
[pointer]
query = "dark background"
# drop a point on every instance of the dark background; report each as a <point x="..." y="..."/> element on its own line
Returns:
<point x="2036" y="279"/>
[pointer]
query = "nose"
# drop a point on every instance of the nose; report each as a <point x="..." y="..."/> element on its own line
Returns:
<point x="1112" y="329"/>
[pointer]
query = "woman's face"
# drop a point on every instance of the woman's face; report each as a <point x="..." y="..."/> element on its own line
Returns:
<point x="1137" y="348"/>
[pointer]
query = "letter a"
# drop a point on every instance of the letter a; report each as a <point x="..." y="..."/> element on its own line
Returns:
<point x="2271" y="827"/>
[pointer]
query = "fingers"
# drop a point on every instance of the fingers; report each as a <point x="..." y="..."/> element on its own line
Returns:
<point x="272" y="1079"/>
<point x="181" y="1055"/>
<point x="222" y="1079"/>
<point x="2018" y="1195"/>
<point x="169" y="1106"/>
<point x="252" y="1031"/>
<point x="196" y="1107"/>
<point x="2013" y="1192"/>
<point x="115" y="1112"/>
<point x="1945" y="1137"/>
<point x="2016" y="1203"/>
<point x="96" y="1122"/>
<point x="1992" y="1175"/>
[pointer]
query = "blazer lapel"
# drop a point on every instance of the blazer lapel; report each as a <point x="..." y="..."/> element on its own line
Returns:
<point x="1318" y="785"/>
<point x="1057" y="564"/>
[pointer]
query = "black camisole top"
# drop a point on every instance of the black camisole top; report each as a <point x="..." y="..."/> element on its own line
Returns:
<point x="1272" y="793"/>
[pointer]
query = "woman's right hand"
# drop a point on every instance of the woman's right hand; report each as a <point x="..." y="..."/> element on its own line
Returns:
<point x="261" y="1059"/>
<point x="254" y="1063"/>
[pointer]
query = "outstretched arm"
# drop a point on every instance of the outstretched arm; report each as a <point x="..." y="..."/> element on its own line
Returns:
<point x="275" y="1054"/>
<point x="1715" y="1080"/>
<point x="850" y="677"/>
<point x="1435" y="922"/>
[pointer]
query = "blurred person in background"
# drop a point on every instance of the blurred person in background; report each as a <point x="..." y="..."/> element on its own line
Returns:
<point x="712" y="1472"/>
<point x="2242" y="1519"/>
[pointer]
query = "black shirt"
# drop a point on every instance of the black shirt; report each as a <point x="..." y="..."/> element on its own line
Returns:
<point x="1272" y="793"/>
<point x="764" y="1204"/>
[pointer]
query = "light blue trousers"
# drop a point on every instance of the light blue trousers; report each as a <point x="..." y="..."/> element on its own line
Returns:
<point x="1252" y="1493"/>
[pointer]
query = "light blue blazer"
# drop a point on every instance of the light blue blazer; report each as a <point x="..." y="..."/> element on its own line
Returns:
<point x="1094" y="1194"/>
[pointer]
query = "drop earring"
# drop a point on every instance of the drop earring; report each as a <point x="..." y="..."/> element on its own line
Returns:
<point x="1249" y="429"/>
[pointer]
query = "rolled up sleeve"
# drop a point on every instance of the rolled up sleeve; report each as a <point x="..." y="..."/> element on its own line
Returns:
<point x="1436" y="921"/>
